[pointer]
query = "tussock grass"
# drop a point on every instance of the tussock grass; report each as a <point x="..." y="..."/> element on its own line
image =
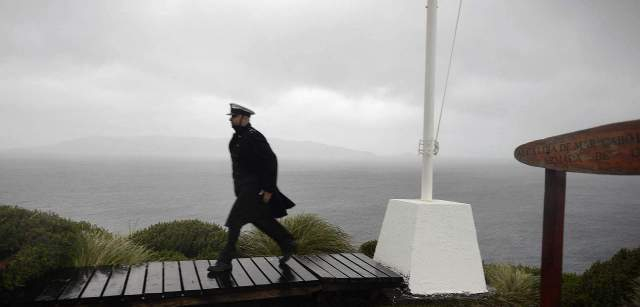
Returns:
<point x="514" y="285"/>
<point x="312" y="233"/>
<point x="102" y="248"/>
<point x="634" y="298"/>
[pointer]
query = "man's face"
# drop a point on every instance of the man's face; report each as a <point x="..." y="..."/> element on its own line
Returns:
<point x="236" y="119"/>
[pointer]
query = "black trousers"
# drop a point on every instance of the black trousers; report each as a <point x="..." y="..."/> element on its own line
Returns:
<point x="268" y="225"/>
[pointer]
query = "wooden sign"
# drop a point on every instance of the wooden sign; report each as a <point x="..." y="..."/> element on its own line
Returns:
<point x="609" y="149"/>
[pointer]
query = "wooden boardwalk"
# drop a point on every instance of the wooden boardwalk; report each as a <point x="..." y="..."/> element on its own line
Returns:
<point x="180" y="283"/>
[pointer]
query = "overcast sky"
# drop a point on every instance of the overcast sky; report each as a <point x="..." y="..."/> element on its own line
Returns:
<point x="346" y="73"/>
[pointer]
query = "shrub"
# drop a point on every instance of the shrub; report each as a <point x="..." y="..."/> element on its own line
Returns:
<point x="514" y="286"/>
<point x="369" y="248"/>
<point x="103" y="248"/>
<point x="211" y="252"/>
<point x="634" y="298"/>
<point x="34" y="243"/>
<point x="167" y="255"/>
<point x="610" y="283"/>
<point x="312" y="234"/>
<point x="572" y="294"/>
<point x="192" y="238"/>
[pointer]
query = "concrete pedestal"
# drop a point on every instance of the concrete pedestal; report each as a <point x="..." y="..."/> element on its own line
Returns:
<point x="433" y="243"/>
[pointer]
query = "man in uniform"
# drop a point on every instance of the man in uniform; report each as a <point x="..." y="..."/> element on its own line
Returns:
<point x="255" y="170"/>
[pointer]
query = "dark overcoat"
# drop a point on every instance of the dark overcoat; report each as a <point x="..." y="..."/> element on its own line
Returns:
<point x="255" y="168"/>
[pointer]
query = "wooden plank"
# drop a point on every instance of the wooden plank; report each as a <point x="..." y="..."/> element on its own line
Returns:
<point x="267" y="269"/>
<point x="189" y="277"/>
<point x="225" y="279"/>
<point x="364" y="265"/>
<point x="239" y="275"/>
<point x="394" y="276"/>
<point x="76" y="285"/>
<point x="352" y="266"/>
<point x="172" y="283"/>
<point x="117" y="281"/>
<point x="52" y="290"/>
<point x="135" y="282"/>
<point x="552" y="233"/>
<point x="287" y="274"/>
<point x="97" y="283"/>
<point x="55" y="286"/>
<point x="153" y="283"/>
<point x="301" y="270"/>
<point x="610" y="149"/>
<point x="256" y="275"/>
<point x="312" y="267"/>
<point x="327" y="267"/>
<point x="339" y="266"/>
<point x="209" y="283"/>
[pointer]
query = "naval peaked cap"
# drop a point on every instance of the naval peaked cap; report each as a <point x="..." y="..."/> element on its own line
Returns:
<point x="238" y="109"/>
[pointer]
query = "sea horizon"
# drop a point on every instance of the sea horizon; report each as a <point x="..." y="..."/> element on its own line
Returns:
<point x="125" y="194"/>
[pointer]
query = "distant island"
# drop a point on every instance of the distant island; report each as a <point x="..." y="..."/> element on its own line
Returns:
<point x="191" y="147"/>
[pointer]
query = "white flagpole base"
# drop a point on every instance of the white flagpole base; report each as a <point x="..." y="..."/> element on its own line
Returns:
<point x="434" y="243"/>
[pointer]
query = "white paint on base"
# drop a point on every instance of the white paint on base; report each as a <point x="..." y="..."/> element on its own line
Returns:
<point x="434" y="243"/>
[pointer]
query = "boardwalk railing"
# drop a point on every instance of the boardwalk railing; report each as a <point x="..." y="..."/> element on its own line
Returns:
<point x="172" y="283"/>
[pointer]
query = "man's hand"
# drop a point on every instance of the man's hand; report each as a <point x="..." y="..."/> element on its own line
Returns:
<point x="266" y="196"/>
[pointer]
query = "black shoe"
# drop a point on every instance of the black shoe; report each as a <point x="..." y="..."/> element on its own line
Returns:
<point x="286" y="254"/>
<point x="219" y="267"/>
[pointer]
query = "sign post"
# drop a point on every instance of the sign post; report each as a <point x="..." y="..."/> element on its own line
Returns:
<point x="612" y="149"/>
<point x="552" y="233"/>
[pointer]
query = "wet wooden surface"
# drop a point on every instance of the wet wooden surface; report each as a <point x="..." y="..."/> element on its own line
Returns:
<point x="188" y="282"/>
<point x="117" y="280"/>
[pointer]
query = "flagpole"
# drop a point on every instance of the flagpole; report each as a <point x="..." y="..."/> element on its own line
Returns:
<point x="428" y="133"/>
<point x="432" y="241"/>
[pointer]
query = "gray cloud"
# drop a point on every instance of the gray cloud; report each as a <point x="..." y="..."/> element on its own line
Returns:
<point x="346" y="73"/>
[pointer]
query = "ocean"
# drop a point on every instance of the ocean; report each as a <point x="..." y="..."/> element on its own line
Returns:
<point x="123" y="195"/>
